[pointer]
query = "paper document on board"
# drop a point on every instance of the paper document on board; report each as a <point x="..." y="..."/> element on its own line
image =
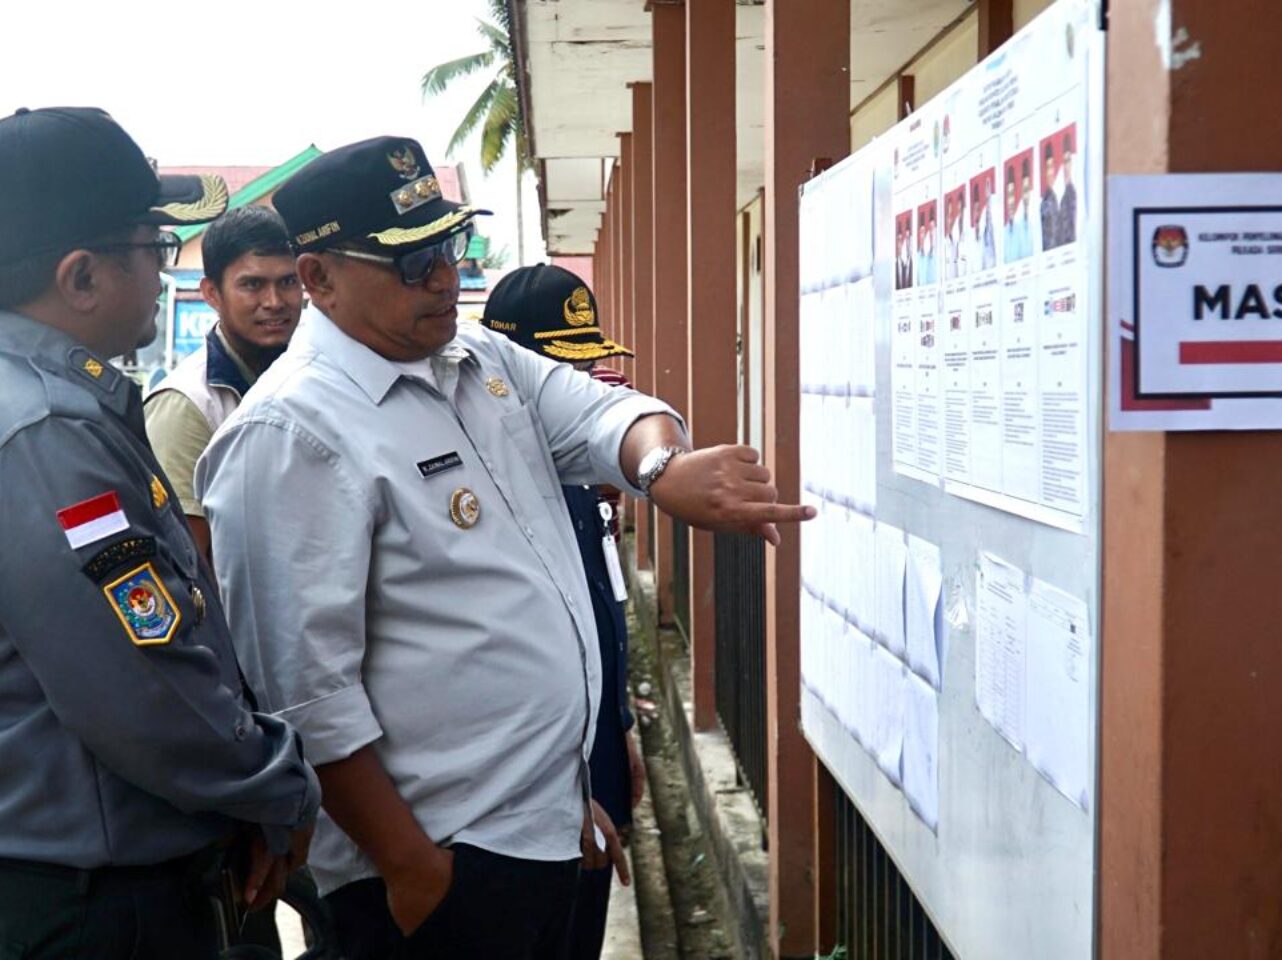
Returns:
<point x="999" y="647"/>
<point x="892" y="556"/>
<point x="1057" y="726"/>
<point x="921" y="749"/>
<point x="924" y="583"/>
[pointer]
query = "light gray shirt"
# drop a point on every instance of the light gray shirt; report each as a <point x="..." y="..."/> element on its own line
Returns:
<point x="365" y="614"/>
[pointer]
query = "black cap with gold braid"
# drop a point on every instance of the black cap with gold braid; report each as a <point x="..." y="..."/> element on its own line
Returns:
<point x="71" y="174"/>
<point x="381" y="193"/>
<point x="551" y="311"/>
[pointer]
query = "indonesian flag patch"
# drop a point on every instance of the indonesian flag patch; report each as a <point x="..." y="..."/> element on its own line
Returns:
<point x="92" y="520"/>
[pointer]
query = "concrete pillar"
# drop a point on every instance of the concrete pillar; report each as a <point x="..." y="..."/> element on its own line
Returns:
<point x="711" y="143"/>
<point x="1191" y="766"/>
<point x="807" y="115"/>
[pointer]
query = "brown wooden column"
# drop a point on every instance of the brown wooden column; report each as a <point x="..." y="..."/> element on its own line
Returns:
<point x="669" y="282"/>
<point x="627" y="301"/>
<point x="713" y="164"/>
<point x="996" y="24"/>
<point x="807" y="116"/>
<point x="906" y="95"/>
<point x="603" y="268"/>
<point x="643" y="278"/>
<point x="1191" y="760"/>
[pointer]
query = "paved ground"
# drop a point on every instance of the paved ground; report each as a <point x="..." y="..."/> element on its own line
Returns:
<point x="622" y="936"/>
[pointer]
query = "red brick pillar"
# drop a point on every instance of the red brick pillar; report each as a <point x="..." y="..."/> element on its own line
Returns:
<point x="711" y="143"/>
<point x="807" y="116"/>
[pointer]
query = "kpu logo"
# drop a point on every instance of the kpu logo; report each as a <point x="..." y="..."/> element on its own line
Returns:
<point x="1170" y="246"/>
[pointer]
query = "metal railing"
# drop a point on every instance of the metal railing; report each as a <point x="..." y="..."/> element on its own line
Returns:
<point x="878" y="915"/>
<point x="681" y="577"/>
<point x="740" y="591"/>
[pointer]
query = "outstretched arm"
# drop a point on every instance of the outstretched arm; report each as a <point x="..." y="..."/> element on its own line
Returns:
<point x="721" y="488"/>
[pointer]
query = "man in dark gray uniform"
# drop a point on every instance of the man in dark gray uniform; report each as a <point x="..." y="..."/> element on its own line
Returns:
<point x="128" y="753"/>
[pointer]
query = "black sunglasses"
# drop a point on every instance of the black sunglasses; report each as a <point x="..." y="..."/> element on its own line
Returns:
<point x="417" y="265"/>
<point x="167" y="246"/>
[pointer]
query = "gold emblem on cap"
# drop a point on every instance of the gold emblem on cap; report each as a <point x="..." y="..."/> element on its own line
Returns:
<point x="497" y="387"/>
<point x="159" y="495"/>
<point x="465" y="509"/>
<point x="403" y="162"/>
<point x="428" y="188"/>
<point x="93" y="368"/>
<point x="578" y="308"/>
<point x="403" y="198"/>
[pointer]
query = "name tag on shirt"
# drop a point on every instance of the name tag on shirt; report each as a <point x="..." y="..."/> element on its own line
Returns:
<point x="446" y="461"/>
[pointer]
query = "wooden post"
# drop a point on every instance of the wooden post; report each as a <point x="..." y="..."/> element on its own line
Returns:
<point x="807" y="116"/>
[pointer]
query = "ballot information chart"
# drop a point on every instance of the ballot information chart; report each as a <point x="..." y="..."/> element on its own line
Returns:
<point x="991" y="202"/>
<point x="951" y="344"/>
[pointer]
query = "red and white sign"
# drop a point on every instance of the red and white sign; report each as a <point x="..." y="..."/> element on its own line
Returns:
<point x="1195" y="302"/>
<point x="92" y="520"/>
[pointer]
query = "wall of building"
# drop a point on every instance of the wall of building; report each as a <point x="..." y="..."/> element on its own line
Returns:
<point x="933" y="71"/>
<point x="877" y="115"/>
<point x="1026" y="10"/>
<point x="945" y="61"/>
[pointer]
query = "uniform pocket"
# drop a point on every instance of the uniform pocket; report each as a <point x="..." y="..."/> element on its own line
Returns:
<point x="529" y="444"/>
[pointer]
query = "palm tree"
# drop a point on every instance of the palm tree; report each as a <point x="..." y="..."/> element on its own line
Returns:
<point x="497" y="110"/>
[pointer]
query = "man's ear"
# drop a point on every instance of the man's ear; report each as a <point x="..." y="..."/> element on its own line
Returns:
<point x="78" y="280"/>
<point x="210" y="293"/>
<point x="315" y="272"/>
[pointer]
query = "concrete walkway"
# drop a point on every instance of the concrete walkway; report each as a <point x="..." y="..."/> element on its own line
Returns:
<point x="622" y="935"/>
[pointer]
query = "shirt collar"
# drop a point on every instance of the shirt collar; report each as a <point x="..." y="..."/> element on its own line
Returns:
<point x="373" y="373"/>
<point x="223" y="366"/>
<point x="66" y="358"/>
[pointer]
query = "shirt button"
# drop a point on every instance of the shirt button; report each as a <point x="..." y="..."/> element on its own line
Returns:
<point x="240" y="730"/>
<point x="529" y="533"/>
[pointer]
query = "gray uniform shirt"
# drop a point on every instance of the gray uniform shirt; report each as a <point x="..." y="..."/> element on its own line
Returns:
<point x="366" y="615"/>
<point x="124" y="738"/>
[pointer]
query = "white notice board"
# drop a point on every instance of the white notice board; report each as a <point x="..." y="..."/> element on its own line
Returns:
<point x="951" y="420"/>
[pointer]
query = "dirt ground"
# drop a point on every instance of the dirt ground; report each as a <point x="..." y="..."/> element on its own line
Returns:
<point x="695" y="910"/>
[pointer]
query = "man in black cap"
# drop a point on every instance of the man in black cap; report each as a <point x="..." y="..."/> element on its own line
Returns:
<point x="427" y="624"/>
<point x="551" y="311"/>
<point x="128" y="754"/>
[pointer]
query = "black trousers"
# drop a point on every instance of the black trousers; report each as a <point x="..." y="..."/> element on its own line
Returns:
<point x="497" y="907"/>
<point x="113" y="913"/>
<point x="591" y="909"/>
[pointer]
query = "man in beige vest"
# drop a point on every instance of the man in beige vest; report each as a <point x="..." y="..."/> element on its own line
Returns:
<point x="251" y="282"/>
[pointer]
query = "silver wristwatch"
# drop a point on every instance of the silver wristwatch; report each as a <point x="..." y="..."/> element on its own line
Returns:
<point x="653" y="464"/>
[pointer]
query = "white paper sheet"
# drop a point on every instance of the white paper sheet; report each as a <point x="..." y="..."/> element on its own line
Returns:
<point x="1057" y="726"/>
<point x="923" y="624"/>
<point x="892" y="556"/>
<point x="863" y="549"/>
<point x="1001" y="624"/>
<point x="888" y="723"/>
<point x="921" y="750"/>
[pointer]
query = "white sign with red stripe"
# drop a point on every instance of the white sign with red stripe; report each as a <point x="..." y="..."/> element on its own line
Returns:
<point x="92" y="520"/>
<point x="1206" y="257"/>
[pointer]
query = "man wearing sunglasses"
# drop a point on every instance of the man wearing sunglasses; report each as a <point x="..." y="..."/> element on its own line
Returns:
<point x="426" y="622"/>
<point x="129" y="755"/>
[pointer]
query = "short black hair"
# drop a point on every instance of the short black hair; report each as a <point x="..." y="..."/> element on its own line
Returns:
<point x="22" y="281"/>
<point x="252" y="229"/>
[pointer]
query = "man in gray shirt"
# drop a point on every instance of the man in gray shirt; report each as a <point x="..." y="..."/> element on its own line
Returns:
<point x="391" y="537"/>
<point x="128" y="752"/>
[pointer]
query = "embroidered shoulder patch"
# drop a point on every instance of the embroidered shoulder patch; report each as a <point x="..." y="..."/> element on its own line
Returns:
<point x="144" y="606"/>
<point x="111" y="558"/>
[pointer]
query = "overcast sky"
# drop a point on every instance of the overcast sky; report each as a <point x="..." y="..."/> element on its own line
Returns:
<point x="239" y="82"/>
